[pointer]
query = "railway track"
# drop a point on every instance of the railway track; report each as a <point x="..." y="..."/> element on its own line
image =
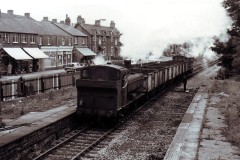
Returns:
<point x="79" y="142"/>
<point x="76" y="144"/>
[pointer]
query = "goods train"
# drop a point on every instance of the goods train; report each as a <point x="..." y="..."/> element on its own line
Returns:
<point x="105" y="90"/>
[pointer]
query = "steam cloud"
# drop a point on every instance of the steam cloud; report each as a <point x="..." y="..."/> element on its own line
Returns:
<point x="152" y="26"/>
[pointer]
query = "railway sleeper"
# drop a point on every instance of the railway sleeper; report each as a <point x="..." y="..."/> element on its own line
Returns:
<point x="58" y="157"/>
<point x="90" y="155"/>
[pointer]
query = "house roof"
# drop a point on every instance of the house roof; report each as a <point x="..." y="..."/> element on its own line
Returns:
<point x="15" y="23"/>
<point x="70" y="29"/>
<point x="101" y="30"/>
<point x="21" y="24"/>
<point x="48" y="28"/>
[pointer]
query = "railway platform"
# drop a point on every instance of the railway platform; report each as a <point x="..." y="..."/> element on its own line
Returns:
<point x="194" y="141"/>
<point x="186" y="140"/>
<point x="32" y="127"/>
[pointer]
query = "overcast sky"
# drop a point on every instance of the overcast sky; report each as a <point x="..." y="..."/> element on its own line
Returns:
<point x="147" y="25"/>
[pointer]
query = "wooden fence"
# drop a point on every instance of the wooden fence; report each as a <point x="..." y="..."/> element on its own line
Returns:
<point x="21" y="87"/>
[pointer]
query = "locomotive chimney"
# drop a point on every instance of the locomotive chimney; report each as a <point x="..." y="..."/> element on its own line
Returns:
<point x="127" y="63"/>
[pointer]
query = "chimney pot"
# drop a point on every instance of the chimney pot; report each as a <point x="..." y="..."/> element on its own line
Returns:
<point x="10" y="12"/>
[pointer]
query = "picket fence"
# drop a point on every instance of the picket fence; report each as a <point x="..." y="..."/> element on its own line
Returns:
<point x="21" y="87"/>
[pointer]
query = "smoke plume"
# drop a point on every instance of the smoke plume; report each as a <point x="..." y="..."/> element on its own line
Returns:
<point x="152" y="27"/>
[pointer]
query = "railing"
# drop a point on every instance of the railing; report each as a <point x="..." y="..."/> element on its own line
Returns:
<point x="21" y="87"/>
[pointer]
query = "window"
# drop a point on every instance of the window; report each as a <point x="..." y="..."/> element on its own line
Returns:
<point x="83" y="40"/>
<point x="111" y="38"/>
<point x="5" y="38"/>
<point x="60" y="60"/>
<point x="116" y="41"/>
<point x="70" y="41"/>
<point x="75" y="40"/>
<point x="63" y="41"/>
<point x="49" y="40"/>
<point x="40" y="40"/>
<point x="111" y="50"/>
<point x="32" y="39"/>
<point x="24" y="38"/>
<point x="15" y="38"/>
<point x="100" y="40"/>
<point x="51" y="61"/>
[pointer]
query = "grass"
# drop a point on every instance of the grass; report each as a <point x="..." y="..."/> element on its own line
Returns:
<point x="229" y="92"/>
<point x="37" y="103"/>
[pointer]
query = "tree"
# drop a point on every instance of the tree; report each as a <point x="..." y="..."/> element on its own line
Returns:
<point x="230" y="50"/>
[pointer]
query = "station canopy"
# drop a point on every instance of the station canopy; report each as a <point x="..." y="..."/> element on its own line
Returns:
<point x="17" y="53"/>
<point x="36" y="53"/>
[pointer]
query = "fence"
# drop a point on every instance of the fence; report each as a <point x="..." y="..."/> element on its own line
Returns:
<point x="24" y="87"/>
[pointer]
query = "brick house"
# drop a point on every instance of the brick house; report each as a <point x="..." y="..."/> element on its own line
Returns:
<point x="80" y="50"/>
<point x="17" y="35"/>
<point x="101" y="39"/>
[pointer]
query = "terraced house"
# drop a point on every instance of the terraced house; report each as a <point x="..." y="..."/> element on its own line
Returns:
<point x="28" y="45"/>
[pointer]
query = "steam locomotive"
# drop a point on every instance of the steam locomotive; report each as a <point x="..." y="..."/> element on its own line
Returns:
<point x="105" y="90"/>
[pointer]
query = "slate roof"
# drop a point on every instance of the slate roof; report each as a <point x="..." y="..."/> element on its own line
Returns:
<point x="101" y="30"/>
<point x="70" y="29"/>
<point x="15" y="23"/>
<point x="21" y="24"/>
<point x="48" y="28"/>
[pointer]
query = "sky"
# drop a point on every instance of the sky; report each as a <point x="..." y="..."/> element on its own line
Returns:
<point x="146" y="25"/>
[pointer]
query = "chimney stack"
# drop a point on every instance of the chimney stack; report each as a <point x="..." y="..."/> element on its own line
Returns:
<point x="27" y="15"/>
<point x="80" y="20"/>
<point x="62" y="22"/>
<point x="54" y="20"/>
<point x="67" y="20"/>
<point x="0" y="12"/>
<point x="45" y="18"/>
<point x="98" y="23"/>
<point x="10" y="12"/>
<point x="112" y="24"/>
